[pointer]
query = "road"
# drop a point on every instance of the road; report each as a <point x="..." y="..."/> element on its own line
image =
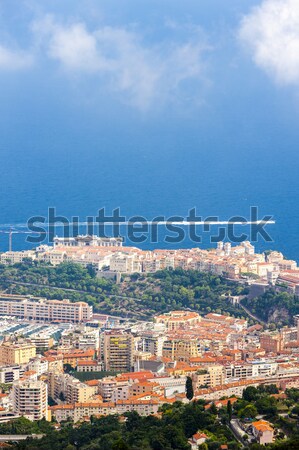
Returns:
<point x="48" y="286"/>
<point x="252" y="315"/>
<point x="123" y="297"/>
<point x="19" y="437"/>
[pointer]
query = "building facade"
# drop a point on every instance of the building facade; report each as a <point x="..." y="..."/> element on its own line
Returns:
<point x="30" y="399"/>
<point x="44" y="310"/>
<point x="118" y="351"/>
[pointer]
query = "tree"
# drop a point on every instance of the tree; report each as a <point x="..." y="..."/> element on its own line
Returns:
<point x="189" y="389"/>
<point x="229" y="410"/>
<point x="120" y="445"/>
<point x="213" y="409"/>
<point x="250" y="394"/>
<point x="203" y="446"/>
<point x="249" y="411"/>
<point x="67" y="368"/>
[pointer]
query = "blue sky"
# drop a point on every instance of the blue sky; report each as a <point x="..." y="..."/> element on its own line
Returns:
<point x="147" y="56"/>
<point x="122" y="95"/>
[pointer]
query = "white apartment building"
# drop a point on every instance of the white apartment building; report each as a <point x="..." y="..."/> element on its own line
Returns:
<point x="240" y="371"/>
<point x="39" y="364"/>
<point x="87" y="241"/>
<point x="30" y="399"/>
<point x="287" y="265"/>
<point x="9" y="374"/>
<point x="151" y="265"/>
<point x="264" y="368"/>
<point x="89" y="339"/>
<point x="11" y="257"/>
<point x="44" y="310"/>
<point x="153" y="343"/>
<point x="81" y="338"/>
<point x="121" y="391"/>
<point x="107" y="386"/>
<point x="120" y="262"/>
<point x="54" y="257"/>
<point x="170" y="384"/>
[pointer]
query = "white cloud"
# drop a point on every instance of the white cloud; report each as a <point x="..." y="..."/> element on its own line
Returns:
<point x="143" y="74"/>
<point x="14" y="60"/>
<point x="271" y="31"/>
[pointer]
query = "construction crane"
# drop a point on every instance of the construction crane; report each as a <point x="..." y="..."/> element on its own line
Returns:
<point x="12" y="231"/>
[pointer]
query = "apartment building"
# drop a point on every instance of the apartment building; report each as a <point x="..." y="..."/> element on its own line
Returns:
<point x="181" y="349"/>
<point x="9" y="374"/>
<point x="55" y="363"/>
<point x="118" y="351"/>
<point x="44" y="310"/>
<point x="39" y="365"/>
<point x="30" y="399"/>
<point x="143" y="407"/>
<point x="81" y="338"/>
<point x="42" y="342"/>
<point x="230" y="389"/>
<point x="16" y="353"/>
<point x="107" y="387"/>
<point x="78" y="411"/>
<point x="123" y="263"/>
<point x="178" y="319"/>
<point x="89" y="366"/>
<point x="239" y="371"/>
<point x="171" y="384"/>
<point x="9" y="258"/>
<point x="121" y="391"/>
<point x="151" y="265"/>
<point x="151" y="342"/>
<point x="87" y="241"/>
<point x="209" y="377"/>
<point x="73" y="358"/>
<point x="69" y="387"/>
<point x="76" y="391"/>
<point x="271" y="342"/>
<point x="287" y="265"/>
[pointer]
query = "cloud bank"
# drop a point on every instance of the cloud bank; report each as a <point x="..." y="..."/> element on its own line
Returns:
<point x="11" y="60"/>
<point x="271" y="31"/>
<point x="142" y="73"/>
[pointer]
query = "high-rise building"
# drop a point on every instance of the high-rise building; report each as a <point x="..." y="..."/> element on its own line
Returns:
<point x="118" y="351"/>
<point x="30" y="399"/>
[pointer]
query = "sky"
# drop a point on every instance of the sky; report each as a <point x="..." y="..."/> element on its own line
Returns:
<point x="149" y="92"/>
<point x="146" y="57"/>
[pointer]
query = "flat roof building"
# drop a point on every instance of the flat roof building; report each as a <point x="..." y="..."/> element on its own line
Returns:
<point x="30" y="399"/>
<point x="118" y="351"/>
<point x="16" y="353"/>
<point x="40" y="309"/>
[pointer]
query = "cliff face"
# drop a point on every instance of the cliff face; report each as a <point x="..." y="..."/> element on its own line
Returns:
<point x="278" y="315"/>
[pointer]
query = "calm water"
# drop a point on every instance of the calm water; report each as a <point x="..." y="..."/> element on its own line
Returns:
<point x="164" y="171"/>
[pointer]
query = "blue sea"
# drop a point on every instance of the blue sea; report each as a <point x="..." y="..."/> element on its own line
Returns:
<point x="162" y="169"/>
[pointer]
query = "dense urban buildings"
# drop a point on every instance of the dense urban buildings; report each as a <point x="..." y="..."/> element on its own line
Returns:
<point x="109" y="257"/>
<point x="60" y="361"/>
